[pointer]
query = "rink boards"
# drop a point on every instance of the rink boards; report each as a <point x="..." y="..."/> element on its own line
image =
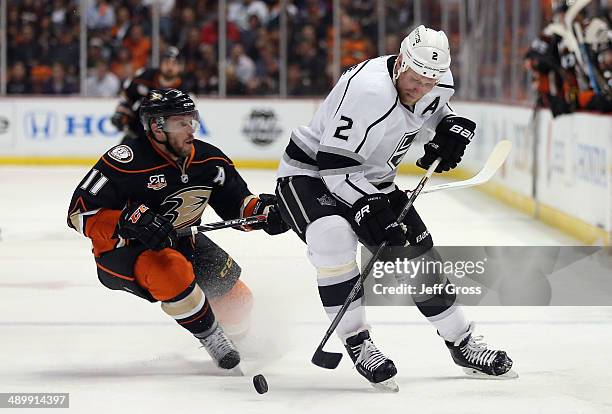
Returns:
<point x="559" y="170"/>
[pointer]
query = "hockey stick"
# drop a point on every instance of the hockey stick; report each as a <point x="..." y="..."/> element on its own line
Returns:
<point x="495" y="160"/>
<point x="245" y="221"/>
<point x="598" y="84"/>
<point x="331" y="360"/>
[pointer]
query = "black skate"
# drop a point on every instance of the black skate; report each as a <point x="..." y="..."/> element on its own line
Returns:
<point x="471" y="353"/>
<point x="371" y="363"/>
<point x="221" y="349"/>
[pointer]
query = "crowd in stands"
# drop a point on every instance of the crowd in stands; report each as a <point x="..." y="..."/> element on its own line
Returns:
<point x="43" y="44"/>
<point x="43" y="39"/>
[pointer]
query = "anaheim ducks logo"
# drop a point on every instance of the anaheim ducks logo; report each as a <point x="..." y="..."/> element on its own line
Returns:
<point x="155" y="96"/>
<point x="187" y="205"/>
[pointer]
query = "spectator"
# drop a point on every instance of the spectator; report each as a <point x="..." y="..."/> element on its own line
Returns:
<point x="26" y="47"/>
<point x="242" y="65"/>
<point x="139" y="46"/>
<point x="102" y="82"/>
<point x="249" y="37"/>
<point x="191" y="51"/>
<point x="18" y="82"/>
<point x="207" y="76"/>
<point x="66" y="51"/>
<point x="355" y="46"/>
<point x="100" y="15"/>
<point x="311" y="59"/>
<point x="296" y="83"/>
<point x="59" y="83"/>
<point x="188" y="21"/>
<point x="165" y="20"/>
<point x="210" y="33"/>
<point x="267" y="78"/>
<point x="59" y="15"/>
<point x="122" y="25"/>
<point x="392" y="44"/>
<point x="239" y="12"/>
<point x="122" y="65"/>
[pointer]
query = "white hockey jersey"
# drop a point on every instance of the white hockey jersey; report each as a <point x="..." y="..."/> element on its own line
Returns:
<point x="361" y="131"/>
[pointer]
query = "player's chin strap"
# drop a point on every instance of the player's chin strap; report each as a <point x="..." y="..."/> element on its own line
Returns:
<point x="166" y="144"/>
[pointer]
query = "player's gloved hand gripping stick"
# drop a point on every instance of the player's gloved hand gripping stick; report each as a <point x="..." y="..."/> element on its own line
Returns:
<point x="332" y="359"/>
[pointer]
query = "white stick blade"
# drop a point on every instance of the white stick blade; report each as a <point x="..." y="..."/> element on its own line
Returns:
<point x="495" y="160"/>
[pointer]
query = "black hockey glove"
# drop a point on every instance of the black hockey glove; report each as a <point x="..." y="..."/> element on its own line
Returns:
<point x="453" y="134"/>
<point x="155" y="231"/>
<point x="267" y="205"/>
<point x="120" y="120"/>
<point x="374" y="221"/>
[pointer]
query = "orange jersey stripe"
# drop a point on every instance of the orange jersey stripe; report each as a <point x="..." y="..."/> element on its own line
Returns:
<point x="213" y="158"/>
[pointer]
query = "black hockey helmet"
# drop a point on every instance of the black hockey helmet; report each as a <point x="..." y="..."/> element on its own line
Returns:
<point x="162" y="103"/>
<point x="171" y="52"/>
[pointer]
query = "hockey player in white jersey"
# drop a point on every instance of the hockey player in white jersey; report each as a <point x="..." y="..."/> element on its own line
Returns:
<point x="336" y="187"/>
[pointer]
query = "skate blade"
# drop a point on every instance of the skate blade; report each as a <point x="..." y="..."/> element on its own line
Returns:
<point x="386" y="386"/>
<point x="511" y="374"/>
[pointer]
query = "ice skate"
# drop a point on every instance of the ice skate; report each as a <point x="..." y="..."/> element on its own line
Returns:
<point x="221" y="349"/>
<point x="470" y="353"/>
<point x="371" y="363"/>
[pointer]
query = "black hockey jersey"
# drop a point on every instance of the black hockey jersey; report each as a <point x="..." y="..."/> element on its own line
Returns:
<point x="141" y="173"/>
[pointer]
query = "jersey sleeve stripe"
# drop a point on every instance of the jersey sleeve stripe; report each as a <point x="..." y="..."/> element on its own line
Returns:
<point x="342" y="170"/>
<point x="298" y="164"/>
<point x="348" y="84"/>
<point x="294" y="152"/>
<point x="296" y="140"/>
<point x="375" y="123"/>
<point x="334" y="164"/>
<point x="342" y="152"/>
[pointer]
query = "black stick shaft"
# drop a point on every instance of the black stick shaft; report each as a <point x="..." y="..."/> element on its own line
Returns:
<point x="245" y="221"/>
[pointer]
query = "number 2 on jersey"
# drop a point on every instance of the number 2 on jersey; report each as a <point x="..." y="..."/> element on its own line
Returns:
<point x="347" y="126"/>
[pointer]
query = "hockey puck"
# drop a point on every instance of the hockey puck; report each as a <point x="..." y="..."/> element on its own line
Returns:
<point x="260" y="383"/>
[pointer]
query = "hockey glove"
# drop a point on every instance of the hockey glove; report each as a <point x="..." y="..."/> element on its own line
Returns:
<point x="374" y="221"/>
<point x="266" y="204"/>
<point x="453" y="134"/>
<point x="155" y="231"/>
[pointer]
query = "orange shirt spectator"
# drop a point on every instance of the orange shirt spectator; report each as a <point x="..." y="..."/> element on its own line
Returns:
<point x="139" y="46"/>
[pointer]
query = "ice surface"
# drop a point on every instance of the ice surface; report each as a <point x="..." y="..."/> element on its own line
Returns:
<point x="61" y="331"/>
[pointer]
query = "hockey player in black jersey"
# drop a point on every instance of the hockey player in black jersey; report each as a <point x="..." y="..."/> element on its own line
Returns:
<point x="168" y="75"/>
<point x="130" y="203"/>
<point x="336" y="187"/>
